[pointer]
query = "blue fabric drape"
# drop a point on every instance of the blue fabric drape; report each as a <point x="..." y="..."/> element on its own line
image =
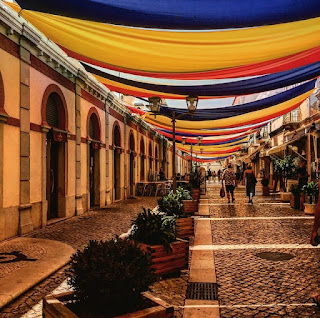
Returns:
<point x="181" y="14"/>
<point x="230" y="111"/>
<point x="245" y="87"/>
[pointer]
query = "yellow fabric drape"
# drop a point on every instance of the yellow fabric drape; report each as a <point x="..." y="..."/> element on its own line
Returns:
<point x="232" y="121"/>
<point x="174" y="51"/>
<point x="212" y="148"/>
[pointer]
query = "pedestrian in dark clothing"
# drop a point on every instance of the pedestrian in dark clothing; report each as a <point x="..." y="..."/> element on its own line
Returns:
<point x="302" y="180"/>
<point x="250" y="181"/>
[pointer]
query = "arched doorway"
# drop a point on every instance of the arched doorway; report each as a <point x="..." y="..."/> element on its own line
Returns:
<point x="54" y="116"/>
<point x="131" y="165"/>
<point x="116" y="162"/>
<point x="93" y="132"/>
<point x="142" y="157"/>
<point x="150" y="175"/>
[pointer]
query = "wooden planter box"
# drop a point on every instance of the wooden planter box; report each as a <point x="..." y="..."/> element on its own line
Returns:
<point x="167" y="261"/>
<point x="265" y="190"/>
<point x="285" y="196"/>
<point x="190" y="206"/>
<point x="295" y="202"/>
<point x="185" y="227"/>
<point x="53" y="307"/>
<point x="195" y="193"/>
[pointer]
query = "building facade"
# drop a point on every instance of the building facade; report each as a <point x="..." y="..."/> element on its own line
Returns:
<point x="67" y="144"/>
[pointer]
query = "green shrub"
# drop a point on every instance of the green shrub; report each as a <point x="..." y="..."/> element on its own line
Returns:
<point x="311" y="189"/>
<point x="183" y="194"/>
<point x="171" y="204"/>
<point x="110" y="275"/>
<point x="153" y="228"/>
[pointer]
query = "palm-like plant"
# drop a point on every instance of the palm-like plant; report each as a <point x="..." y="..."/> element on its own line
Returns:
<point x="310" y="189"/>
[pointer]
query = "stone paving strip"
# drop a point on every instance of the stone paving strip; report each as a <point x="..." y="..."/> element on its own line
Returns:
<point x="202" y="270"/>
<point x="214" y="247"/>
<point x="256" y="218"/>
<point x="25" y="270"/>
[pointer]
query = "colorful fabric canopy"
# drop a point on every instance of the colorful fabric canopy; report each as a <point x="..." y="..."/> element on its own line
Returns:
<point x="173" y="51"/>
<point x="206" y="159"/>
<point x="262" y="68"/>
<point x="243" y="87"/>
<point x="230" y="111"/>
<point x="244" y="119"/>
<point x="211" y="141"/>
<point x="208" y="132"/>
<point x="217" y="152"/>
<point x="180" y="14"/>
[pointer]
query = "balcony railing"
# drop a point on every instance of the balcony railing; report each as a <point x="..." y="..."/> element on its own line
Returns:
<point x="293" y="117"/>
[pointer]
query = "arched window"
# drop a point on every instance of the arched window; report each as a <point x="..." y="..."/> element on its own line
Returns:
<point x="116" y="136"/>
<point x="1" y="94"/>
<point x="93" y="125"/>
<point x="131" y="142"/>
<point x="54" y="108"/>
<point x="52" y="112"/>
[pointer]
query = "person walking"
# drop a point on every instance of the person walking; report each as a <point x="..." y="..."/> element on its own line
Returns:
<point x="214" y="176"/>
<point x="229" y="179"/>
<point x="302" y="180"/>
<point x="250" y="182"/>
<point x="219" y="175"/>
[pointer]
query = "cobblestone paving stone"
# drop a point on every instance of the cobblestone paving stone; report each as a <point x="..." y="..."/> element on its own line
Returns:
<point x="99" y="225"/>
<point x="244" y="279"/>
<point x="266" y="210"/>
<point x="30" y="251"/>
<point x="258" y="231"/>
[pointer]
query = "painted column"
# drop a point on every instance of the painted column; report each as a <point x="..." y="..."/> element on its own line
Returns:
<point x="25" y="220"/>
<point x="125" y="157"/>
<point x="108" y="197"/>
<point x="79" y="203"/>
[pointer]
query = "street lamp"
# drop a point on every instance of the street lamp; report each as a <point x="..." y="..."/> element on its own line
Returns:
<point x="192" y="104"/>
<point x="154" y="105"/>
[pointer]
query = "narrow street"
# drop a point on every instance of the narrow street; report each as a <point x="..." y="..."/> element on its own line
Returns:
<point x="251" y="281"/>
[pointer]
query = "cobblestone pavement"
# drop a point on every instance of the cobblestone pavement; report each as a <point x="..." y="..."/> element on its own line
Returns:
<point x="250" y="286"/>
<point x="100" y="225"/>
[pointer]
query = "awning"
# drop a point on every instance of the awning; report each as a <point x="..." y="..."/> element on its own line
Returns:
<point x="277" y="149"/>
<point x="255" y="152"/>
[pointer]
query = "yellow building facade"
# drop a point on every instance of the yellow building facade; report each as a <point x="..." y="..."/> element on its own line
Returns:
<point x="67" y="144"/>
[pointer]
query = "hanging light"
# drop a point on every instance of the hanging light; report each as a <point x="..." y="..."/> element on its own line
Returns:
<point x="192" y="103"/>
<point x="199" y="140"/>
<point x="184" y="140"/>
<point x="154" y="104"/>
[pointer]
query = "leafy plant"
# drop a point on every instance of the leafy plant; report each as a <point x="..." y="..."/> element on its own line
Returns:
<point x="310" y="189"/>
<point x="295" y="189"/>
<point x="265" y="182"/>
<point x="184" y="194"/>
<point x="153" y="228"/>
<point x="171" y="204"/>
<point x="195" y="179"/>
<point x="285" y="169"/>
<point x="104" y="274"/>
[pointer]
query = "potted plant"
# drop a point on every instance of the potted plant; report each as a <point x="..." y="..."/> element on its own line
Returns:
<point x="295" y="196"/>
<point x="265" y="187"/>
<point x="310" y="190"/>
<point x="176" y="204"/>
<point x="155" y="234"/>
<point x="108" y="279"/>
<point x="195" y="182"/>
